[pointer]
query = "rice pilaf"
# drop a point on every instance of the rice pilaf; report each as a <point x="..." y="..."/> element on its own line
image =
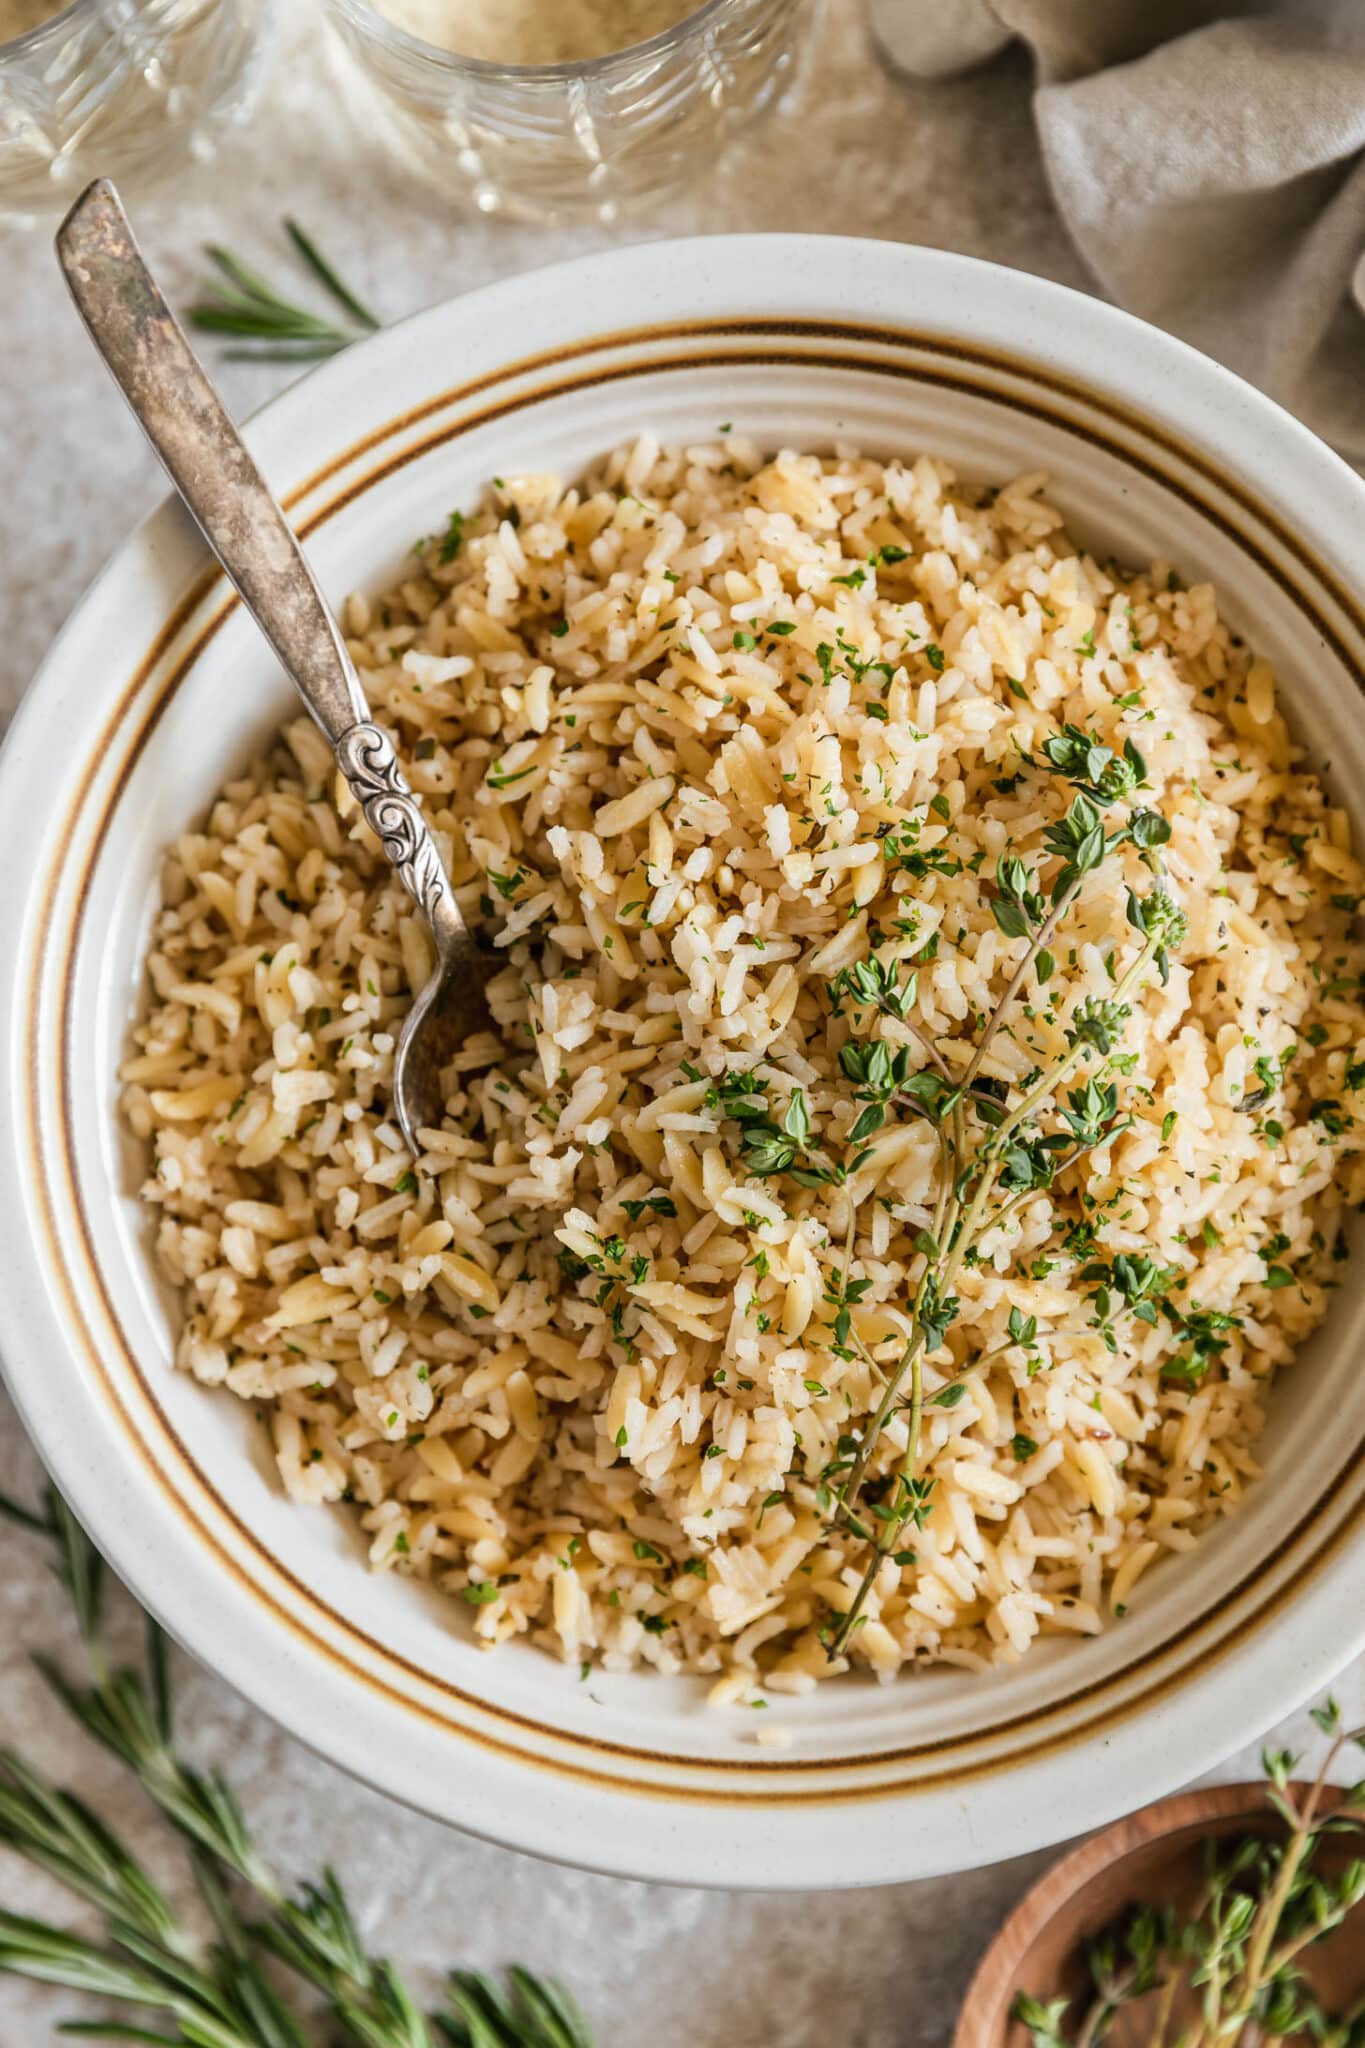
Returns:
<point x="696" y="738"/>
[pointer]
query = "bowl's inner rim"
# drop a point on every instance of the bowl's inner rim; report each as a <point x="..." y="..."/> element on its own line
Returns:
<point x="740" y="337"/>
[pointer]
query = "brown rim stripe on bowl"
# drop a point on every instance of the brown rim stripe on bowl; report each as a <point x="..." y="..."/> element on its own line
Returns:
<point x="770" y="1769"/>
<point x="318" y="519"/>
<point x="1022" y="367"/>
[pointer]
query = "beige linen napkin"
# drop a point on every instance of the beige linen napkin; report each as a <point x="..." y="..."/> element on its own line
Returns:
<point x="1210" y="164"/>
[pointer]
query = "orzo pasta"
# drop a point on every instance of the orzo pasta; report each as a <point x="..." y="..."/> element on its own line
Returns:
<point x="699" y="738"/>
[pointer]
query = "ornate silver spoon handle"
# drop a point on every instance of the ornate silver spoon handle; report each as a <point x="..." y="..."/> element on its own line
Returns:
<point x="182" y="416"/>
<point x="366" y="758"/>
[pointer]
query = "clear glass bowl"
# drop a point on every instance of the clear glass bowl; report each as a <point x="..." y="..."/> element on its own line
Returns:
<point x="125" y="89"/>
<point x="576" y="141"/>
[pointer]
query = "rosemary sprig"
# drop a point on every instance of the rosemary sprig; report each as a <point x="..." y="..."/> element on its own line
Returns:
<point x="216" y="1995"/>
<point x="271" y="328"/>
<point x="1229" y="1972"/>
<point x="998" y="1146"/>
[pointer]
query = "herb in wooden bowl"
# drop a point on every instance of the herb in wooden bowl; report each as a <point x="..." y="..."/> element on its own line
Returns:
<point x="1220" y="1918"/>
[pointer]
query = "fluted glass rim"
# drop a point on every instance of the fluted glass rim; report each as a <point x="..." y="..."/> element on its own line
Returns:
<point x="32" y="38"/>
<point x="366" y="18"/>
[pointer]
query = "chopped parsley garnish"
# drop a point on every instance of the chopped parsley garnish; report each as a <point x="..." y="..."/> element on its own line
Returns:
<point x="452" y="539"/>
<point x="658" y="1205"/>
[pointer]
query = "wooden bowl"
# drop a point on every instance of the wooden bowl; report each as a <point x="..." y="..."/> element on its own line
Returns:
<point x="1154" y="1857"/>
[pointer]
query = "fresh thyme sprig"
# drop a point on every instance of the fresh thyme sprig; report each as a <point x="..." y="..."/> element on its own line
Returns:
<point x="998" y="1145"/>
<point x="269" y="327"/>
<point x="216" y="1994"/>
<point x="1230" y="1972"/>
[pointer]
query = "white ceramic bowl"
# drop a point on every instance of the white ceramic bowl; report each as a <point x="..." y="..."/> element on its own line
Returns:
<point x="159" y="686"/>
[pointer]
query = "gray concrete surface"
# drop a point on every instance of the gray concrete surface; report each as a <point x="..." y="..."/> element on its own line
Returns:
<point x="953" y="164"/>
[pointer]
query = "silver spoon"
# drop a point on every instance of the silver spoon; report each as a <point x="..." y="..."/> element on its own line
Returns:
<point x="184" y="419"/>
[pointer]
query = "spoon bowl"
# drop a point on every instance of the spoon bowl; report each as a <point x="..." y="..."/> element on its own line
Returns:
<point x="448" y="1011"/>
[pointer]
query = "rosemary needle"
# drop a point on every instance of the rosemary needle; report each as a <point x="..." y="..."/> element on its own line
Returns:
<point x="326" y="276"/>
<point x="532" y="2015"/>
